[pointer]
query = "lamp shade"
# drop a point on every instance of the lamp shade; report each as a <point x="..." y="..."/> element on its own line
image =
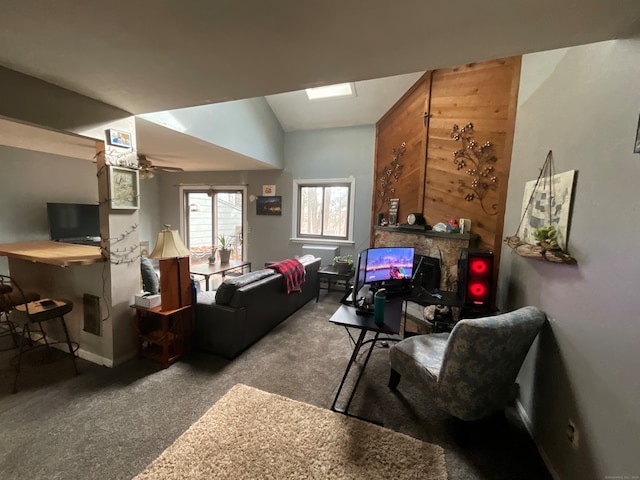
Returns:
<point x="169" y="245"/>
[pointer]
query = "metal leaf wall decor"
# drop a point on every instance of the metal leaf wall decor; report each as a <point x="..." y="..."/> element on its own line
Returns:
<point x="391" y="174"/>
<point x="478" y="160"/>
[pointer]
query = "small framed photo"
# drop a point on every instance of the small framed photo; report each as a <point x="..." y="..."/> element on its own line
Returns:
<point x="269" y="205"/>
<point x="119" y="138"/>
<point x="636" y="148"/>
<point x="124" y="188"/>
<point x="268" y="190"/>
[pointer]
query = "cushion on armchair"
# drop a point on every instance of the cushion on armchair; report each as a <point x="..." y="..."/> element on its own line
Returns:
<point x="225" y="292"/>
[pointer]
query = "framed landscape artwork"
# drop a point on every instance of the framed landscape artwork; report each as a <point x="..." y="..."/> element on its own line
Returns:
<point x="269" y="205"/>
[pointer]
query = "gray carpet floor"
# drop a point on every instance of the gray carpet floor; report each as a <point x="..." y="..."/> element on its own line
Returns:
<point x="109" y="423"/>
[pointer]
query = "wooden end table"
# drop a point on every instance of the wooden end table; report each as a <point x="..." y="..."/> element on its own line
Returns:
<point x="163" y="336"/>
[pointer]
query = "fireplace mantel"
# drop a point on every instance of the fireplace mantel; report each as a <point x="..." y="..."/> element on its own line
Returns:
<point x="442" y="245"/>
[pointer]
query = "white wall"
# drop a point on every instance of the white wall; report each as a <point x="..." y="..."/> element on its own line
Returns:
<point x="246" y="126"/>
<point x="583" y="103"/>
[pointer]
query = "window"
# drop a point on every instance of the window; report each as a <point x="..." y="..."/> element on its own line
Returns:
<point x="212" y="212"/>
<point x="324" y="209"/>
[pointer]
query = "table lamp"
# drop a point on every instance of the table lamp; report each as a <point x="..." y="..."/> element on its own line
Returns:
<point x="175" y="283"/>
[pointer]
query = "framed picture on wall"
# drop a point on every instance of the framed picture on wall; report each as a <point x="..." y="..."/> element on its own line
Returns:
<point x="269" y="205"/>
<point x="118" y="138"/>
<point x="124" y="188"/>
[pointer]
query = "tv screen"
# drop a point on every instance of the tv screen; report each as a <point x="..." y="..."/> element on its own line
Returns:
<point x="74" y="222"/>
<point x="390" y="266"/>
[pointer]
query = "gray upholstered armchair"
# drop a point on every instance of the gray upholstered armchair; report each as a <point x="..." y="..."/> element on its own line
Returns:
<point x="470" y="372"/>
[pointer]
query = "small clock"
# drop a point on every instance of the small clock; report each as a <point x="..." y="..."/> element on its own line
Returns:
<point x="415" y="219"/>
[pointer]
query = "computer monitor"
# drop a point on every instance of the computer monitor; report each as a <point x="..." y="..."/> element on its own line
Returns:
<point x="357" y="296"/>
<point x="390" y="268"/>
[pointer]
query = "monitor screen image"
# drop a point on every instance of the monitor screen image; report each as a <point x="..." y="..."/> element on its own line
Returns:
<point x="384" y="265"/>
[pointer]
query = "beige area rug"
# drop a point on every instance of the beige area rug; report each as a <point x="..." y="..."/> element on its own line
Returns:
<point x="251" y="434"/>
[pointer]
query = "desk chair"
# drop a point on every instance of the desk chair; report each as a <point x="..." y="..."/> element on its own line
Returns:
<point x="470" y="373"/>
<point x="25" y="313"/>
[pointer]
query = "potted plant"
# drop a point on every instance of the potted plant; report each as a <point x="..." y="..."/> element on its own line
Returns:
<point x="225" y="248"/>
<point x="343" y="263"/>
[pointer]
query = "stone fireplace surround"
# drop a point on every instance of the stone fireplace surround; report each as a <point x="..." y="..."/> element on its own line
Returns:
<point x="445" y="246"/>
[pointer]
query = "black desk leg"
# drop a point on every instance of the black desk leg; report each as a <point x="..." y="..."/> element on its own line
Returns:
<point x="354" y="355"/>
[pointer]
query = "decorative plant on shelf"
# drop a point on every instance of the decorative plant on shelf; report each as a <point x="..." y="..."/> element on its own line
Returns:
<point x="225" y="248"/>
<point x="480" y="158"/>
<point x="343" y="263"/>
<point x="548" y="237"/>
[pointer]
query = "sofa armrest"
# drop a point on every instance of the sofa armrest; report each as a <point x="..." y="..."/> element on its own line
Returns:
<point x="220" y="329"/>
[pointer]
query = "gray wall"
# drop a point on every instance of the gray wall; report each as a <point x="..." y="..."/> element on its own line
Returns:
<point x="329" y="153"/>
<point x="582" y="103"/>
<point x="28" y="180"/>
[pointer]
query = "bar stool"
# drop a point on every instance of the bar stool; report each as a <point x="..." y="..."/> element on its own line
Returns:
<point x="27" y="313"/>
<point x="9" y="298"/>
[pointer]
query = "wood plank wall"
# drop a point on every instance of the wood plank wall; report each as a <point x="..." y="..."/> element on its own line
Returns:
<point x="484" y="94"/>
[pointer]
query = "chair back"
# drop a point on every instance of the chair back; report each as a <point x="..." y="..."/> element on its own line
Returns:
<point x="10" y="294"/>
<point x="482" y="359"/>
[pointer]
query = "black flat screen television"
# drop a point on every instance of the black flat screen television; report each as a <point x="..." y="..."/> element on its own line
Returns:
<point x="74" y="223"/>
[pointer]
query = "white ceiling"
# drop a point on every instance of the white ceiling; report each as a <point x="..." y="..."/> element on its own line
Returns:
<point x="154" y="55"/>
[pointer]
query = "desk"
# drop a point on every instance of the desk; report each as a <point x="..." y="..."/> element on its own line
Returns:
<point x="330" y="272"/>
<point x="163" y="336"/>
<point x="53" y="253"/>
<point x="346" y="316"/>
<point x="208" y="269"/>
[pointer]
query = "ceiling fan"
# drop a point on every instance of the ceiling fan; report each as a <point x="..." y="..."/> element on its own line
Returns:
<point x="147" y="167"/>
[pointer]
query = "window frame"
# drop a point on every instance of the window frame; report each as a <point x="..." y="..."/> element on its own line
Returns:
<point x="350" y="183"/>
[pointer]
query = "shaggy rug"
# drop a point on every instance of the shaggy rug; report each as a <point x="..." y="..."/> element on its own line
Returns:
<point x="249" y="433"/>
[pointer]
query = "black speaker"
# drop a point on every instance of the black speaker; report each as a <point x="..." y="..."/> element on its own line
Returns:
<point x="475" y="277"/>
<point x="426" y="273"/>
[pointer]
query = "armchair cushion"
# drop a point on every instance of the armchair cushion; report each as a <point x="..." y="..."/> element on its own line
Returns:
<point x="470" y="372"/>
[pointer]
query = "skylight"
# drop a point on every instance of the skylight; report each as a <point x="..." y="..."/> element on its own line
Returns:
<point x="331" y="91"/>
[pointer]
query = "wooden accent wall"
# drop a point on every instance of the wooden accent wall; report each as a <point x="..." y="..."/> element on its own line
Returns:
<point x="484" y="94"/>
<point x="405" y="122"/>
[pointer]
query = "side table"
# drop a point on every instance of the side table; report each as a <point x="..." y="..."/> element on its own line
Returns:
<point x="330" y="273"/>
<point x="163" y="336"/>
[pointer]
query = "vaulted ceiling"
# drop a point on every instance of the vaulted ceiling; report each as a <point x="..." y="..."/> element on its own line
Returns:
<point x="153" y="55"/>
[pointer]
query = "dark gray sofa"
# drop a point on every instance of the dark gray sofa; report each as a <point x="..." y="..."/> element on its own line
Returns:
<point x="247" y="308"/>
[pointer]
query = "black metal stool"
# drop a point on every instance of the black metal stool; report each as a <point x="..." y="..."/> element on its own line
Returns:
<point x="9" y="298"/>
<point x="26" y="313"/>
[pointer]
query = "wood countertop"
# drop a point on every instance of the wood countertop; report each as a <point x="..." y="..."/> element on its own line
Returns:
<point x="53" y="253"/>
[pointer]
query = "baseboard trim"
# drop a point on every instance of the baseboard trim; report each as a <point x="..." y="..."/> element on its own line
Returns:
<point x="62" y="345"/>
<point x="524" y="417"/>
<point x="93" y="358"/>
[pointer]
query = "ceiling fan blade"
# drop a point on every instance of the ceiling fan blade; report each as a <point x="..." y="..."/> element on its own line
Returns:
<point x="168" y="169"/>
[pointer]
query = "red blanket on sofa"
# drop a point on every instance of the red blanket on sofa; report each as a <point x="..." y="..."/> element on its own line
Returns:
<point x="293" y="273"/>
